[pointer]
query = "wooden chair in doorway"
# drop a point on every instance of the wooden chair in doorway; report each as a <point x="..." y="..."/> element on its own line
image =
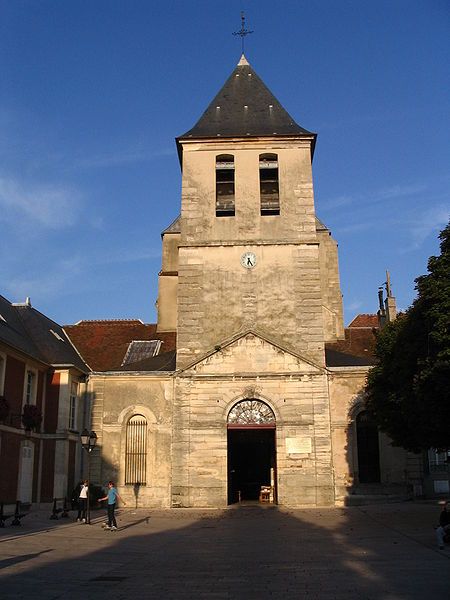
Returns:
<point x="265" y="493"/>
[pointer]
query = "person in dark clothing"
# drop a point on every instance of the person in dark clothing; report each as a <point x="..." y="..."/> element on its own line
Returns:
<point x="444" y="525"/>
<point x="82" y="501"/>
<point x="75" y="496"/>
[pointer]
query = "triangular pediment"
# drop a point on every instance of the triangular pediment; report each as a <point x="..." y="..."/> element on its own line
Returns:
<point x="250" y="353"/>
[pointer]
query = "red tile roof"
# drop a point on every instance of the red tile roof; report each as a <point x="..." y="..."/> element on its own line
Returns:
<point x="359" y="341"/>
<point x="103" y="344"/>
<point x="365" y="320"/>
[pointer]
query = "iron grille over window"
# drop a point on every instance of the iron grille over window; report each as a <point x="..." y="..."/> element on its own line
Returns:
<point x="225" y="185"/>
<point x="136" y="451"/>
<point x="268" y="184"/>
<point x="251" y="412"/>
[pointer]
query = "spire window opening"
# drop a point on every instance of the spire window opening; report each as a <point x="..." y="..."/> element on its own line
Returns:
<point x="268" y="184"/>
<point x="225" y="185"/>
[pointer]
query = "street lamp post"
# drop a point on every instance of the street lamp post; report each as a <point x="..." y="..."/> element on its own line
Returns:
<point x="88" y="441"/>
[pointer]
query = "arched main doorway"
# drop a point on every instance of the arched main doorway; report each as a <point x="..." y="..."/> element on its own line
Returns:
<point x="251" y="450"/>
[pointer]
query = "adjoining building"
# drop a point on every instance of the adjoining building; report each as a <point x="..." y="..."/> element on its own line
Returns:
<point x="42" y="408"/>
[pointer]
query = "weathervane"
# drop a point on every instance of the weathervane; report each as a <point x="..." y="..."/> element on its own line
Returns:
<point x="242" y="32"/>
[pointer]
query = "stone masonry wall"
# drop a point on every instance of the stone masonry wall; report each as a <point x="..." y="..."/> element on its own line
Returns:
<point x="346" y="401"/>
<point x="217" y="296"/>
<point x="303" y="447"/>
<point x="115" y="399"/>
<point x="281" y="296"/>
<point x="330" y="287"/>
<point x="298" y="395"/>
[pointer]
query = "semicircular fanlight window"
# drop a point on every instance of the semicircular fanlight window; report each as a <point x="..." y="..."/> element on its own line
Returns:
<point x="251" y="412"/>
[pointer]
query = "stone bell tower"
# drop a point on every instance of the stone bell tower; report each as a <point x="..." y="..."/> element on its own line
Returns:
<point x="249" y="249"/>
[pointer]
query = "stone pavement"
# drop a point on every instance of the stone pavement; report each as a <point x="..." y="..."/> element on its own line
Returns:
<point x="245" y="552"/>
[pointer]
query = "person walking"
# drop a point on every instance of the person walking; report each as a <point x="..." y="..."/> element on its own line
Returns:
<point x="444" y="525"/>
<point x="82" y="501"/>
<point x="112" y="496"/>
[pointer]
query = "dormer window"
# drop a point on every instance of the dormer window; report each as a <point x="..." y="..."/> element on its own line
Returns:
<point x="268" y="184"/>
<point x="57" y="336"/>
<point x="225" y="185"/>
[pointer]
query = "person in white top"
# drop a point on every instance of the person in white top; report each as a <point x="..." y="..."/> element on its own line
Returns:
<point x="82" y="501"/>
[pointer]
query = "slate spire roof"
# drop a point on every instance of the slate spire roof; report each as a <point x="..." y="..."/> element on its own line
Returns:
<point x="245" y="107"/>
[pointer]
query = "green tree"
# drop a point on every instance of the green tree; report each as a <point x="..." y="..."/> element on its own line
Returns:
<point x="408" y="391"/>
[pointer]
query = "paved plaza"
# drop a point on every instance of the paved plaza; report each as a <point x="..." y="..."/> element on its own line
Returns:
<point x="385" y="551"/>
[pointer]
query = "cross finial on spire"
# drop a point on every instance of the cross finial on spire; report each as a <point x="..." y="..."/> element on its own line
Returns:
<point x="242" y="32"/>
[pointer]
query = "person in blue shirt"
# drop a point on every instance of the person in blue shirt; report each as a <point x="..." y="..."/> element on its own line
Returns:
<point x="112" y="496"/>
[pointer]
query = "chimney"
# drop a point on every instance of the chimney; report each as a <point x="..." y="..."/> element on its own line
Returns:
<point x="389" y="303"/>
<point x="387" y="311"/>
<point x="381" y="313"/>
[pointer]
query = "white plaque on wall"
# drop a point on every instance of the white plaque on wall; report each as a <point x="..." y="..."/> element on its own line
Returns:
<point x="298" y="445"/>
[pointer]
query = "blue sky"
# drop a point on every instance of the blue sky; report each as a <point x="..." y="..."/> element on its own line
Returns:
<point x="93" y="93"/>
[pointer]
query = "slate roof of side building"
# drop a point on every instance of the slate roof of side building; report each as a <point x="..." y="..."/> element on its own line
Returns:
<point x="245" y="107"/>
<point x="29" y="331"/>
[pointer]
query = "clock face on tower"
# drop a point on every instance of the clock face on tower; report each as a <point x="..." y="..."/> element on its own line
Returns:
<point x="248" y="260"/>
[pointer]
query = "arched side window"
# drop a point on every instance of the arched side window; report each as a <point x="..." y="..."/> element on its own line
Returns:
<point x="268" y="184"/>
<point x="136" y="451"/>
<point x="225" y="185"/>
<point x="368" y="449"/>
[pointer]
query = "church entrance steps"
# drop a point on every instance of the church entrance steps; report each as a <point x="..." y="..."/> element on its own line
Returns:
<point x="372" y="493"/>
<point x="361" y="500"/>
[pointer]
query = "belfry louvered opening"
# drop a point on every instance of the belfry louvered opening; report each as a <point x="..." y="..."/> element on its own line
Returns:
<point x="136" y="451"/>
<point x="225" y="185"/>
<point x="268" y="184"/>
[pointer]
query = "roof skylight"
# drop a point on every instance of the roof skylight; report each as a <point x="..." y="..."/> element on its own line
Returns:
<point x="57" y="336"/>
<point x="140" y="350"/>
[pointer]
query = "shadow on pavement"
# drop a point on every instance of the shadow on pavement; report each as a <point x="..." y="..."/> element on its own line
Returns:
<point x="7" y="562"/>
<point x="246" y="552"/>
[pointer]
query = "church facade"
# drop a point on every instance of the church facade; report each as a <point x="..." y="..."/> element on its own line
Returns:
<point x="248" y="387"/>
